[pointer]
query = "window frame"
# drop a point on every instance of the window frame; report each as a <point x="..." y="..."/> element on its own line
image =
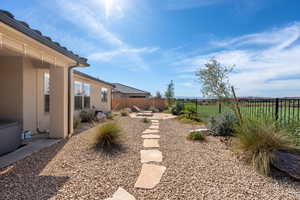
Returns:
<point x="46" y="91"/>
<point x="104" y="95"/>
<point x="78" y="94"/>
<point x="86" y="95"/>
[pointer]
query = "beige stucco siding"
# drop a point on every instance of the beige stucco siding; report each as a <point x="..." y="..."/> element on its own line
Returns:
<point x="10" y="88"/>
<point x="96" y="93"/>
<point x="34" y="116"/>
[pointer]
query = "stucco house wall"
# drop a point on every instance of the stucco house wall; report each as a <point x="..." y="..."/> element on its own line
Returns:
<point x="96" y="93"/>
<point x="11" y="88"/>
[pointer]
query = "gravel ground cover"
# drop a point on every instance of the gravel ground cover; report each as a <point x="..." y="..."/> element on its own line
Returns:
<point x="72" y="170"/>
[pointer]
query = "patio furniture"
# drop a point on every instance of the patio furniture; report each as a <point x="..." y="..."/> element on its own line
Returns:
<point x="10" y="136"/>
<point x="144" y="113"/>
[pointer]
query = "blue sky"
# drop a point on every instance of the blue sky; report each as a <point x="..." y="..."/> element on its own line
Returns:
<point x="147" y="43"/>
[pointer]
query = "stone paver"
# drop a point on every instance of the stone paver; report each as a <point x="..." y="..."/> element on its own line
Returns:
<point x="150" y="136"/>
<point x="150" y="176"/>
<point x="154" y="120"/>
<point x="151" y="143"/>
<point x="151" y="156"/>
<point x="154" y="127"/>
<point x="200" y="129"/>
<point x="121" y="194"/>
<point x="150" y="131"/>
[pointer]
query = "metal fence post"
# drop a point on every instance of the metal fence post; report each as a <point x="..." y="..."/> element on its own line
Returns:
<point x="196" y="105"/>
<point x="276" y="109"/>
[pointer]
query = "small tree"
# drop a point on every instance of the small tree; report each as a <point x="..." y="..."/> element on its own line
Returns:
<point x="215" y="83"/>
<point x="214" y="79"/>
<point x="158" y="95"/>
<point x="169" y="94"/>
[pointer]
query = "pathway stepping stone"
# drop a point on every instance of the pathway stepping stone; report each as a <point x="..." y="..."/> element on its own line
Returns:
<point x="154" y="127"/>
<point x="150" y="176"/>
<point x="151" y="143"/>
<point x="151" y="136"/>
<point x="121" y="194"/>
<point x="150" y="131"/>
<point x="151" y="156"/>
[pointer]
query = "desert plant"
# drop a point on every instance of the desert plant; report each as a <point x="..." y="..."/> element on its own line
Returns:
<point x="109" y="115"/>
<point x="153" y="109"/>
<point x="293" y="129"/>
<point x="178" y="108"/>
<point x="146" y="120"/>
<point x="87" y="115"/>
<point x="196" y="135"/>
<point x="107" y="136"/>
<point x="124" y="113"/>
<point x="258" y="140"/>
<point x="76" y="122"/>
<point x="223" y="124"/>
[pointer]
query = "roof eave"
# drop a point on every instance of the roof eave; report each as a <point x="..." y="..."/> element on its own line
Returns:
<point x="8" y="19"/>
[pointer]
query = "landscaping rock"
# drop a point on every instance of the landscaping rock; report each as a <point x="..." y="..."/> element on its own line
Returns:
<point x="150" y="136"/>
<point x="151" y="143"/>
<point x="151" y="156"/>
<point x="150" y="131"/>
<point x="288" y="163"/>
<point x="154" y="127"/>
<point x="150" y="176"/>
<point x="121" y="194"/>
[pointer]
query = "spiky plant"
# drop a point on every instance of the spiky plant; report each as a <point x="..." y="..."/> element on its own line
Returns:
<point x="196" y="135"/>
<point x="258" y="140"/>
<point x="107" y="136"/>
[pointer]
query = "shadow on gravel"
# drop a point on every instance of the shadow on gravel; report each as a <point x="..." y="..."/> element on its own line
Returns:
<point x="23" y="180"/>
<point x="114" y="150"/>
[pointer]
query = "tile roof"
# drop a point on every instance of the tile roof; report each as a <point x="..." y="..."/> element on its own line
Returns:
<point x="92" y="78"/>
<point x="127" y="89"/>
<point x="9" y="19"/>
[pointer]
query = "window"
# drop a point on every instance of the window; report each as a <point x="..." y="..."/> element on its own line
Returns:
<point x="46" y="92"/>
<point x="104" y="95"/>
<point x="78" y="95"/>
<point x="87" y="95"/>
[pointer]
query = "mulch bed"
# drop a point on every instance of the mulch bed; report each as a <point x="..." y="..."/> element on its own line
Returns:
<point x="71" y="169"/>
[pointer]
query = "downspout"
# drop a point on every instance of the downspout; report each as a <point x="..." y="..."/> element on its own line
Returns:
<point x="70" y="96"/>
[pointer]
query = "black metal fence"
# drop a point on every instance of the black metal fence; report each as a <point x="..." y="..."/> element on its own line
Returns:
<point x="284" y="110"/>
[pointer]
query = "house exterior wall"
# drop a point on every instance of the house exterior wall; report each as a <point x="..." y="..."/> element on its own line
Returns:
<point x="22" y="93"/>
<point x="96" y="93"/>
<point x="11" y="88"/>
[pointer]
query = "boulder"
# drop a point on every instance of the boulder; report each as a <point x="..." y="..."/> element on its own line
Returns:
<point x="288" y="163"/>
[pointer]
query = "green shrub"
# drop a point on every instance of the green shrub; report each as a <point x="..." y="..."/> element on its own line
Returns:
<point x="146" y="120"/>
<point x="124" y="113"/>
<point x="223" y="124"/>
<point x="196" y="135"/>
<point x="107" y="136"/>
<point x="178" y="108"/>
<point x="293" y="130"/>
<point x="109" y="115"/>
<point x="76" y="122"/>
<point x="153" y="109"/>
<point x="257" y="140"/>
<point x="87" y="115"/>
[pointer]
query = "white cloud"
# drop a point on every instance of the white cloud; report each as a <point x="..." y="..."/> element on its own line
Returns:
<point x="187" y="4"/>
<point x="189" y="84"/>
<point x="107" y="56"/>
<point x="264" y="62"/>
<point x="88" y="15"/>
